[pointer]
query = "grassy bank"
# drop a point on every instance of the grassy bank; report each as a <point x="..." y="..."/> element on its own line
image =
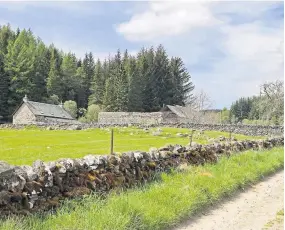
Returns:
<point x="27" y="145"/>
<point x="161" y="204"/>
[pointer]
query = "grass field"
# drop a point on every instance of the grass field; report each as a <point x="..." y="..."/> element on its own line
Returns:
<point x="161" y="204"/>
<point x="27" y="145"/>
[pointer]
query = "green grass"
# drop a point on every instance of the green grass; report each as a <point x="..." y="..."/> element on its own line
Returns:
<point x="161" y="204"/>
<point x="279" y="219"/>
<point x="27" y="145"/>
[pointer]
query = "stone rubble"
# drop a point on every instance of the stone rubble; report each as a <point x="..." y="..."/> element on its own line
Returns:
<point x="43" y="186"/>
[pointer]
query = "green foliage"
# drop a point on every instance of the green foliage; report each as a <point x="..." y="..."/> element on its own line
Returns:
<point x="225" y="116"/>
<point x="135" y="87"/>
<point x="71" y="107"/>
<point x="122" y="83"/>
<point x="181" y="86"/>
<point x="6" y="34"/>
<point x="4" y="89"/>
<point x="162" y="204"/>
<point x="109" y="96"/>
<point x="54" y="82"/>
<point x="268" y="108"/>
<point x="241" y="108"/>
<point x="88" y="66"/>
<point x="92" y="113"/>
<point x="98" y="84"/>
<point x="19" y="65"/>
<point x="70" y="82"/>
<point x="162" y="87"/>
<point x="53" y="99"/>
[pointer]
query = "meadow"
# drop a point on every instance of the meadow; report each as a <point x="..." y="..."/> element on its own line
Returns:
<point x="161" y="204"/>
<point x="27" y="145"/>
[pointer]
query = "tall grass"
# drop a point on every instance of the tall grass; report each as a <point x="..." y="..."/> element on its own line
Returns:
<point x="161" y="204"/>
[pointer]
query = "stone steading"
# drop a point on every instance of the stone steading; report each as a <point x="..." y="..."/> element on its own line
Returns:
<point x="43" y="186"/>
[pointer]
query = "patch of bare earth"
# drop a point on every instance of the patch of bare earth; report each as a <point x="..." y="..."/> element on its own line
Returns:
<point x="249" y="210"/>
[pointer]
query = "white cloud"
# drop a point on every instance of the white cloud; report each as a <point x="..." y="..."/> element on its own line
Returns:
<point x="231" y="40"/>
<point x="166" y="18"/>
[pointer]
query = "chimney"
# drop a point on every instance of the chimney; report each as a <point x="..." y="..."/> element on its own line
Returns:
<point x="25" y="99"/>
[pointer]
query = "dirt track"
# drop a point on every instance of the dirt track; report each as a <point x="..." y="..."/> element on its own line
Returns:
<point x="248" y="210"/>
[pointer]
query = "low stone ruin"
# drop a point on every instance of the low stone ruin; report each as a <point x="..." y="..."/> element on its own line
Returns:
<point x="42" y="186"/>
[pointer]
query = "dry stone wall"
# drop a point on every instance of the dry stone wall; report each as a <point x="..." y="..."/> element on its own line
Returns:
<point x="250" y="130"/>
<point x="130" y="118"/>
<point x="43" y="186"/>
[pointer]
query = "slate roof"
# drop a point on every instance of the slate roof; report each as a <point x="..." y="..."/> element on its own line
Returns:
<point x="178" y="110"/>
<point x="48" y="110"/>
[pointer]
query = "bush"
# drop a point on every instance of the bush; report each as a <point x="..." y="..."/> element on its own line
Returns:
<point x="83" y="119"/>
<point x="71" y="107"/>
<point x="91" y="114"/>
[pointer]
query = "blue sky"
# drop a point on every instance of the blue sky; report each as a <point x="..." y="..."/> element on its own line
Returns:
<point x="229" y="48"/>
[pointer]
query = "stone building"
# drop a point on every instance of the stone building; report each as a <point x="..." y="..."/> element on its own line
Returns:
<point x="30" y="112"/>
<point x="168" y="114"/>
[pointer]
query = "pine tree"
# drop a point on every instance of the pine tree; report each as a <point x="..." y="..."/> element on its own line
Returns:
<point x="68" y="71"/>
<point x="89" y="68"/>
<point x="80" y="89"/>
<point x="120" y="83"/>
<point x="98" y="84"/>
<point x="120" y="80"/>
<point x="162" y="84"/>
<point x="41" y="71"/>
<point x="182" y="86"/>
<point x="109" y="96"/>
<point x="145" y="67"/>
<point x="79" y="63"/>
<point x="6" y="34"/>
<point x="19" y="64"/>
<point x="126" y="64"/>
<point x="4" y="86"/>
<point x="54" y="81"/>
<point x="135" y="94"/>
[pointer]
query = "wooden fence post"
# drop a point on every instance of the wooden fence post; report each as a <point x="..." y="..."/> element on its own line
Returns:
<point x="112" y="141"/>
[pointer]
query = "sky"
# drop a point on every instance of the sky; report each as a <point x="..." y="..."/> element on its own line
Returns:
<point x="228" y="47"/>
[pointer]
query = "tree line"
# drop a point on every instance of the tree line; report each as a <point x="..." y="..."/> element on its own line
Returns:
<point x="123" y="82"/>
<point x="268" y="106"/>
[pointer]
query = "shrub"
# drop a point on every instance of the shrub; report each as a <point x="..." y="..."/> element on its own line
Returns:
<point x="92" y="113"/>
